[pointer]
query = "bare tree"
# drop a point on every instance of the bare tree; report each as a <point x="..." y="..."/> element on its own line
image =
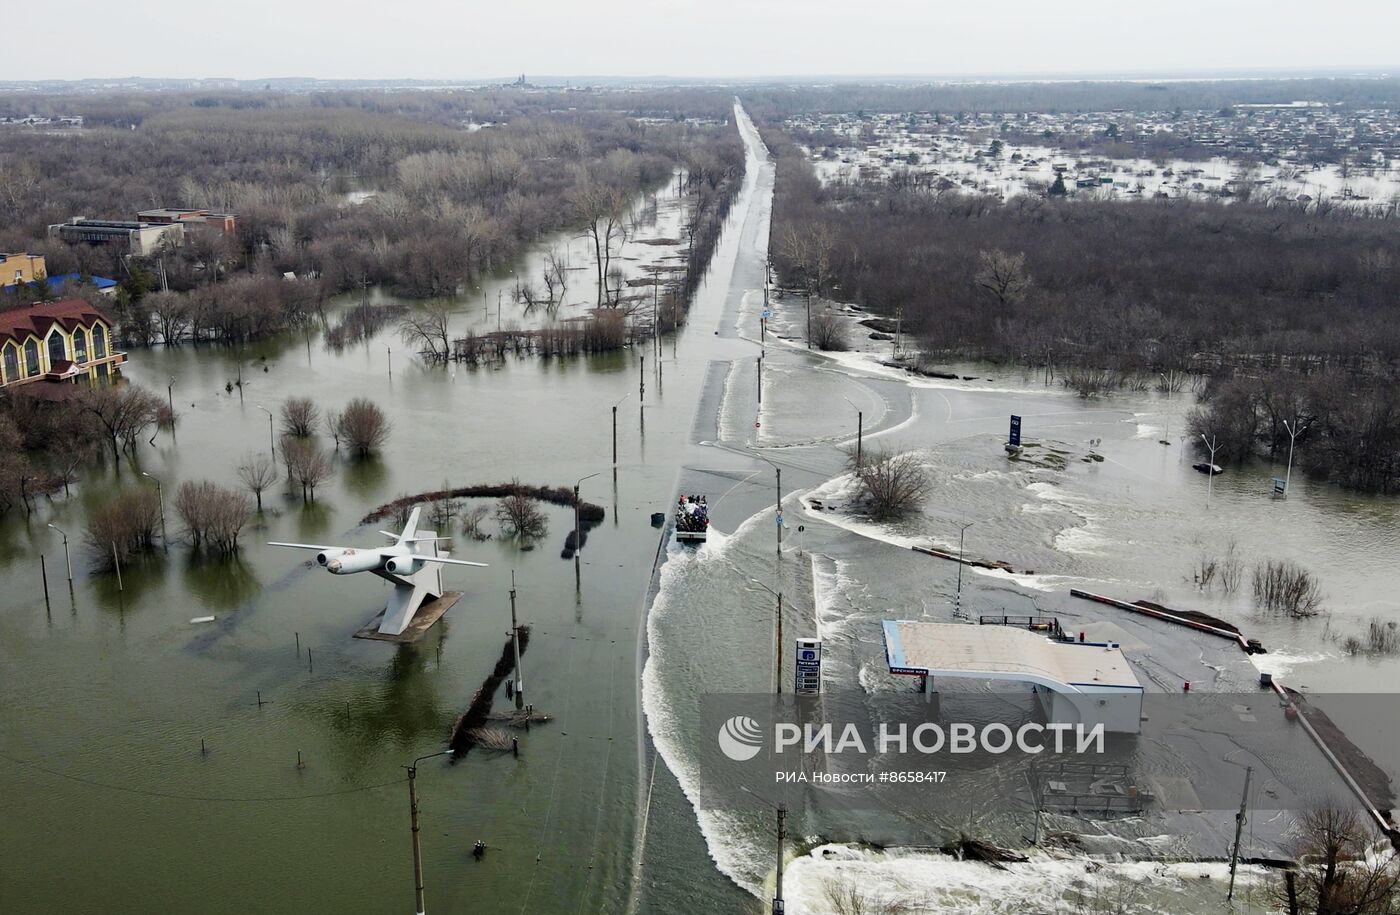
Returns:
<point x="890" y="486"/>
<point x="258" y="473"/>
<point x="213" y="515"/>
<point x="1341" y="869"/>
<point x="299" y="416"/>
<point x="600" y="207"/>
<point x="471" y="522"/>
<point x="519" y="516"/>
<point x="126" y="522"/>
<point x="362" y="426"/>
<point x="1003" y="275"/>
<point x="123" y="412"/>
<point x="426" y="328"/>
<point x="306" y="464"/>
<point x="828" y="331"/>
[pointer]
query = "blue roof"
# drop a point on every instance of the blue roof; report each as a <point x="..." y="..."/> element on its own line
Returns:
<point x="63" y="279"/>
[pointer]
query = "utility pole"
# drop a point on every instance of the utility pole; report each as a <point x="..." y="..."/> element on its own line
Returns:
<point x="515" y="642"/>
<point x="1292" y="437"/>
<point x="860" y="429"/>
<point x="578" y="530"/>
<point x="1239" y="827"/>
<point x="68" y="560"/>
<point x="389" y="352"/>
<point x="413" y="819"/>
<point x="779" y="504"/>
<point x="271" y="436"/>
<point x="778" y="658"/>
<point x="957" y="601"/>
<point x="778" y="905"/>
<point x="170" y="397"/>
<point x="760" y="379"/>
<point x="1210" y="471"/>
<point x="160" y="497"/>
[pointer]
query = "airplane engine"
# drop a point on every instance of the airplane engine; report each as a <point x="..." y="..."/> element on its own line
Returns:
<point x="403" y="565"/>
<point x="325" y="556"/>
<point x="354" y="561"/>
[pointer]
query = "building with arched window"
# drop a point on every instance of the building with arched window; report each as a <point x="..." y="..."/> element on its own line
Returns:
<point x="56" y="341"/>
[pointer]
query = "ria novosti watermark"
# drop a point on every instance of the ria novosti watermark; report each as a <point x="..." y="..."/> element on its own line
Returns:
<point x="926" y="755"/>
<point x="741" y="738"/>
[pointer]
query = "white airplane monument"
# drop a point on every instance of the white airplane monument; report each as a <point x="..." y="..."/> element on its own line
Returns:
<point x="412" y="564"/>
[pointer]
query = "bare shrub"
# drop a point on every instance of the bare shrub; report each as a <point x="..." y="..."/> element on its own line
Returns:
<point x="1286" y="587"/>
<point x="829" y="332"/>
<point x="1383" y="636"/>
<point x="441" y="512"/>
<point x="471" y="522"/>
<point x="306" y="465"/>
<point x="299" y="416"/>
<point x="889" y="485"/>
<point x="519" y="516"/>
<point x="362" y="426"/>
<point x="1225" y="571"/>
<point x="258" y="473"/>
<point x="128" y="520"/>
<point x="213" y="515"/>
<point x="848" y="899"/>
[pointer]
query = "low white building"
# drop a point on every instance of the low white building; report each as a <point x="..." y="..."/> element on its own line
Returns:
<point x="1077" y="682"/>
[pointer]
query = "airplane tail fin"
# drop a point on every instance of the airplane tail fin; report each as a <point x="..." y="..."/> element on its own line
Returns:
<point x="410" y="530"/>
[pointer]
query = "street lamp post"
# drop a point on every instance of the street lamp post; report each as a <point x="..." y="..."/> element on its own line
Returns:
<point x="271" y="436"/>
<point x="957" y="600"/>
<point x="614" y="431"/>
<point x="1210" y="471"/>
<point x="160" y="497"/>
<point x="170" y="396"/>
<point x="66" y="559"/>
<point x="1292" y="437"/>
<point x="860" y="429"/>
<point x="413" y="819"/>
<point x="578" y="528"/>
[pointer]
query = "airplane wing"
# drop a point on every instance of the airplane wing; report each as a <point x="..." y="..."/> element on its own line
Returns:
<point x="394" y="536"/>
<point x="451" y="562"/>
<point x="304" y="546"/>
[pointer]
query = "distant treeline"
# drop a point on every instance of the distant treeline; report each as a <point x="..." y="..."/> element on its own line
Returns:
<point x="451" y="204"/>
<point x="775" y="103"/>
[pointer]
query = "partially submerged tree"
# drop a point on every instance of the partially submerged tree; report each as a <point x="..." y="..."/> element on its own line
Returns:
<point x="426" y="329"/>
<point x="1286" y="587"/>
<point x="299" y="416"/>
<point x="889" y="485"/>
<point x="258" y="473"/>
<point x="362" y="426"/>
<point x="126" y="523"/>
<point x="213" y="515"/>
<point x="307" y="465"/>
<point x="123" y="412"/>
<point x="519" y="516"/>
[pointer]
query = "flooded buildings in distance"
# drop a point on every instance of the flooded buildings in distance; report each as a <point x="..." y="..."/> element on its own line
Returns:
<point x="151" y="231"/>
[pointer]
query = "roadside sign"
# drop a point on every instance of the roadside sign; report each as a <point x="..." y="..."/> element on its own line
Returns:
<point x="809" y="667"/>
<point x="767" y="313"/>
<point x="1015" y="438"/>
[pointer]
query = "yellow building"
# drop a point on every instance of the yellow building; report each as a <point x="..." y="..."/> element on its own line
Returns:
<point x="56" y="341"/>
<point x="21" y="268"/>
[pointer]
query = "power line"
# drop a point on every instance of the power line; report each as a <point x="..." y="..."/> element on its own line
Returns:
<point x="149" y="792"/>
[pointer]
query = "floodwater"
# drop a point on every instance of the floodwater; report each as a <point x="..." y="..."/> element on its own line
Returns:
<point x="110" y="693"/>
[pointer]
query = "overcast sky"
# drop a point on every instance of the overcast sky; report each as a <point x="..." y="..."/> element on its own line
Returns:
<point x="468" y="39"/>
